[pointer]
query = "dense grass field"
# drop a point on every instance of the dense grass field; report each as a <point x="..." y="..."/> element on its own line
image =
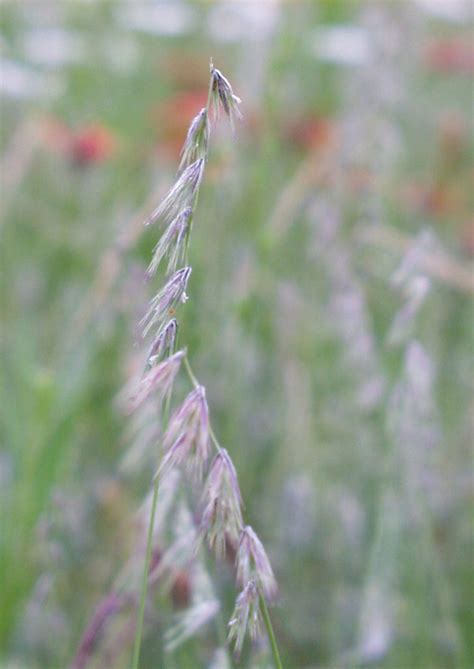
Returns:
<point x="329" y="317"/>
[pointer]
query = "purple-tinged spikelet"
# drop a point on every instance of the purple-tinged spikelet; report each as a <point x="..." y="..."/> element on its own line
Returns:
<point x="158" y="381"/>
<point x="164" y="343"/>
<point x="186" y="440"/>
<point x="222" y="93"/>
<point x="181" y="195"/>
<point x="167" y="299"/>
<point x="196" y="143"/>
<point x="171" y="243"/>
<point x="246" y="615"/>
<point x="253" y="563"/>
<point x="222" y="515"/>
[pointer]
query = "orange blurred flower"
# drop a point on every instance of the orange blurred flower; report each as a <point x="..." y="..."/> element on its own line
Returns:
<point x="310" y="132"/>
<point x="89" y="144"/>
<point x="92" y="144"/>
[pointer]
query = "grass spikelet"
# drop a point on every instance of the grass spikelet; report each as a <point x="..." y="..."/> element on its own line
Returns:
<point x="222" y="515"/>
<point x="180" y="196"/>
<point x="172" y="243"/>
<point x="166" y="301"/>
<point x="158" y="381"/>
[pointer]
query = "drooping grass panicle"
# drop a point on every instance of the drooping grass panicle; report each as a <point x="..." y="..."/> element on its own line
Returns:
<point x="188" y="437"/>
<point x="181" y="195"/>
<point x="222" y="516"/>
<point x="166" y="300"/>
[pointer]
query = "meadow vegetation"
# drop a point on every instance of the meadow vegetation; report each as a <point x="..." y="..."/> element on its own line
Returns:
<point x="329" y="319"/>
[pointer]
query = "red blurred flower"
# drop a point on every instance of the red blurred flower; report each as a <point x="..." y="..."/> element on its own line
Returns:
<point x="89" y="144"/>
<point x="450" y="56"/>
<point x="310" y="132"/>
<point x="92" y="144"/>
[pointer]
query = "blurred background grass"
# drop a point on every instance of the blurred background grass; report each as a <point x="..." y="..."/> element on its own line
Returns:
<point x="350" y="426"/>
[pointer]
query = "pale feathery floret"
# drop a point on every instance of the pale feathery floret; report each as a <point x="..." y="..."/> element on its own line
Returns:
<point x="164" y="343"/>
<point x="158" y="381"/>
<point x="189" y="622"/>
<point x="253" y="563"/>
<point x="246" y="616"/>
<point x="173" y="292"/>
<point x="222" y="515"/>
<point x="186" y="441"/>
<point x="181" y="195"/>
<point x="222" y="93"/>
<point x="196" y="143"/>
<point x="172" y="243"/>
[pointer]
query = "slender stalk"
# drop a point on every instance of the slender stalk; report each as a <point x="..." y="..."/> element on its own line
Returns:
<point x="146" y="567"/>
<point x="149" y="544"/>
<point x="270" y="632"/>
<point x="190" y="372"/>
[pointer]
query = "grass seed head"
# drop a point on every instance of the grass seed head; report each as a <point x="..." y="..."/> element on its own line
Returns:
<point x="158" y="381"/>
<point x="253" y="563"/>
<point x="164" y="343"/>
<point x="172" y="243"/>
<point x="186" y="440"/>
<point x="181" y="195"/>
<point x="168" y="298"/>
<point x="197" y="140"/>
<point x="222" y="515"/>
<point x="246" y="615"/>
<point x="223" y="95"/>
